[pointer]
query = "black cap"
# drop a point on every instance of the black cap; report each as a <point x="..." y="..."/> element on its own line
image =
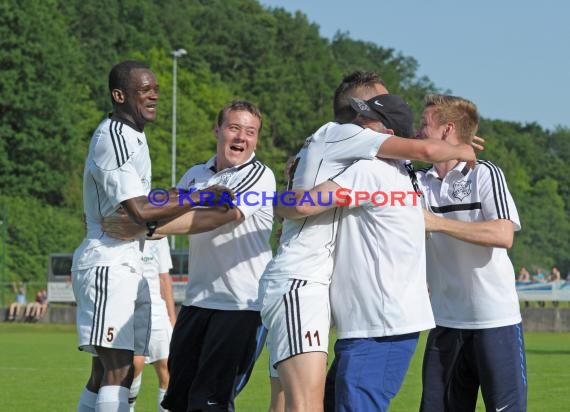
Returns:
<point x="390" y="109"/>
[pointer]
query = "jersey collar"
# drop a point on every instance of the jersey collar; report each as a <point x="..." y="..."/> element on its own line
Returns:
<point x="211" y="164"/>
<point x="117" y="118"/>
<point x="460" y="168"/>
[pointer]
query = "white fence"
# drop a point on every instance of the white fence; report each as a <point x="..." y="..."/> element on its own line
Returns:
<point x="549" y="291"/>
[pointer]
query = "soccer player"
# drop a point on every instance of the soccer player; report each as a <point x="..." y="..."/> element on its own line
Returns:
<point x="378" y="294"/>
<point x="113" y="303"/>
<point x="157" y="264"/>
<point x="218" y="334"/>
<point x="295" y="286"/>
<point x="478" y="341"/>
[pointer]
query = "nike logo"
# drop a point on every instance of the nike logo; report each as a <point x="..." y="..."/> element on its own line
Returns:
<point x="210" y="403"/>
<point x="501" y="409"/>
<point x="377" y="103"/>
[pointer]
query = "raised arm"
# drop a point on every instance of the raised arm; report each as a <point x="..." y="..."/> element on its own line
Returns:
<point x="427" y="150"/>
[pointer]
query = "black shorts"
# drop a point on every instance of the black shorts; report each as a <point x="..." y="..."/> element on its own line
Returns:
<point x="212" y="353"/>
<point x="458" y="361"/>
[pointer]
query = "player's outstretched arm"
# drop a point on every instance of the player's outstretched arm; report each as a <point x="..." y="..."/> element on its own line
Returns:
<point x="308" y="203"/>
<point x="121" y="226"/>
<point x="141" y="210"/>
<point x="199" y="221"/>
<point x="427" y="150"/>
<point x="490" y="233"/>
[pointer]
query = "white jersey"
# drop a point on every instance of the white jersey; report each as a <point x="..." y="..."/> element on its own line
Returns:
<point x="225" y="264"/>
<point x="156" y="260"/>
<point x="117" y="168"/>
<point x="472" y="286"/>
<point x="307" y="245"/>
<point x="379" y="281"/>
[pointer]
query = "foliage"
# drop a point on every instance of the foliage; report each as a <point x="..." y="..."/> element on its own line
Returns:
<point x="55" y="56"/>
<point x="36" y="229"/>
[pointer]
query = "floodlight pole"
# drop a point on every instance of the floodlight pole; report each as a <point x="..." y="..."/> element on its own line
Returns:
<point x="4" y="227"/>
<point x="175" y="55"/>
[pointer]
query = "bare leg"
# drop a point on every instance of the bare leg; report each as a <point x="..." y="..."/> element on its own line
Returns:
<point x="117" y="366"/>
<point x="303" y="380"/>
<point x="161" y="368"/>
<point x="277" y="396"/>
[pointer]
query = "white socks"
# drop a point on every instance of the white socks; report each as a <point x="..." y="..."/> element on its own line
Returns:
<point x="161" y="393"/>
<point x="112" y="399"/>
<point x="87" y="401"/>
<point x="134" y="391"/>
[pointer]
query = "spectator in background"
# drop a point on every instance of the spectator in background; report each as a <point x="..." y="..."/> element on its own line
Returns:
<point x="20" y="303"/>
<point x="539" y="276"/>
<point x="554" y="275"/>
<point x="524" y="275"/>
<point x="38" y="308"/>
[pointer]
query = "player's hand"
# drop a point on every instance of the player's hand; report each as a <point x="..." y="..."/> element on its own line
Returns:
<point x="478" y="143"/>
<point x="468" y="155"/>
<point x="120" y="226"/>
<point x="430" y="220"/>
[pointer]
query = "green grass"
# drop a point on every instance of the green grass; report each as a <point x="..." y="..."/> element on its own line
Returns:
<point x="41" y="369"/>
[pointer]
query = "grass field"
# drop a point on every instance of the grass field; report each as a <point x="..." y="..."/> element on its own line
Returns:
<point x="41" y="369"/>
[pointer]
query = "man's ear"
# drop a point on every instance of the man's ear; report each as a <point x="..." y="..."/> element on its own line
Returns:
<point x="391" y="132"/>
<point x="449" y="129"/>
<point x="118" y="96"/>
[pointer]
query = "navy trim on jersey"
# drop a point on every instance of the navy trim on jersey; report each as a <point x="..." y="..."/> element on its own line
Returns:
<point x="119" y="143"/>
<point x="252" y="161"/>
<point x="213" y="167"/>
<point x="253" y="176"/>
<point x="456" y="208"/>
<point x="499" y="189"/>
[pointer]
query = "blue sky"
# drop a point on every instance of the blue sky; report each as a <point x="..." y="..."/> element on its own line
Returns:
<point x="510" y="57"/>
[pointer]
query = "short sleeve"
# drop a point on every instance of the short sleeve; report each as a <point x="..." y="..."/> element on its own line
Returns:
<point x="258" y="194"/>
<point x="496" y="199"/>
<point x="356" y="143"/>
<point x="119" y="184"/>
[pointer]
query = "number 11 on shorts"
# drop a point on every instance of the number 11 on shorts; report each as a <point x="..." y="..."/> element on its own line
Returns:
<point x="310" y="337"/>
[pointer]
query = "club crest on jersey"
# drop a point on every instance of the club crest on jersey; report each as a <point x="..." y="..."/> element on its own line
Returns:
<point x="224" y="178"/>
<point x="461" y="189"/>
